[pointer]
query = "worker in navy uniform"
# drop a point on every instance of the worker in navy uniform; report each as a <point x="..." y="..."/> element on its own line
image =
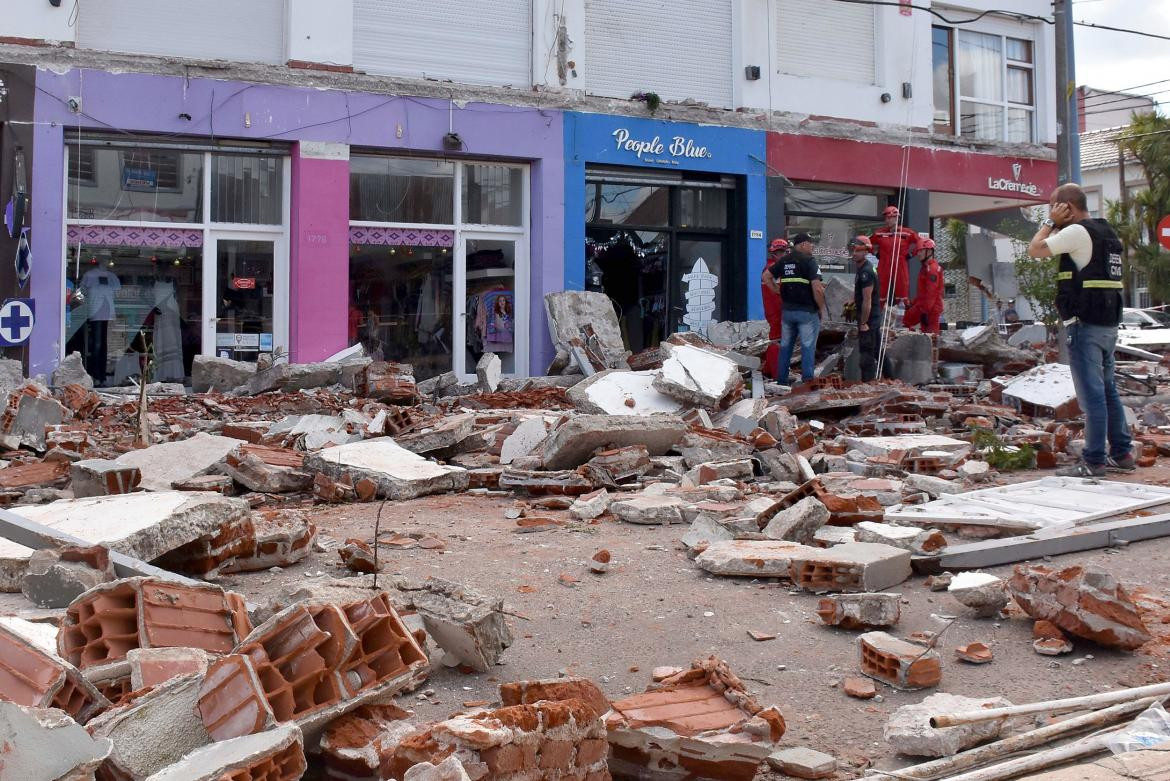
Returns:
<point x="867" y="304"/>
<point x="798" y="279"/>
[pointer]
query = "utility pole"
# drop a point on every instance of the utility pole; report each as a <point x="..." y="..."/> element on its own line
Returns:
<point x="1068" y="144"/>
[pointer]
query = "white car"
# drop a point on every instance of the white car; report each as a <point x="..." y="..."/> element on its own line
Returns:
<point x="1144" y="318"/>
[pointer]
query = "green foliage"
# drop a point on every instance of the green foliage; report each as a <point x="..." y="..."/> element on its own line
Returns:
<point x="1036" y="279"/>
<point x="1148" y="139"/>
<point x="1000" y="456"/>
<point x="955" y="237"/>
<point x="651" y="99"/>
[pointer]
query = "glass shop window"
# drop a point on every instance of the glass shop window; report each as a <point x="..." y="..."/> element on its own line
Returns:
<point x="138" y="184"/>
<point x="401" y="190"/>
<point x="247" y="189"/>
<point x="493" y="194"/>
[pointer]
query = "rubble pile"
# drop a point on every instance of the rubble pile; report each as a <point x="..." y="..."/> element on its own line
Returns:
<point x="123" y="518"/>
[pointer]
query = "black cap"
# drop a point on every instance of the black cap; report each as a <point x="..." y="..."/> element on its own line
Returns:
<point x="800" y="238"/>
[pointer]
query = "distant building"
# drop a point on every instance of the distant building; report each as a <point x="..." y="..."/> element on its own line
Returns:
<point x="1099" y="109"/>
<point x="1101" y="176"/>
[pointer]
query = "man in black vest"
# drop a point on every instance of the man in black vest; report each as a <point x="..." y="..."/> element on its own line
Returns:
<point x="1089" y="300"/>
<point x="798" y="279"/>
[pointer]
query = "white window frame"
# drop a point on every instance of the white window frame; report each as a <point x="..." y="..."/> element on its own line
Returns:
<point x="957" y="99"/>
<point x="520" y="234"/>
<point x="212" y="231"/>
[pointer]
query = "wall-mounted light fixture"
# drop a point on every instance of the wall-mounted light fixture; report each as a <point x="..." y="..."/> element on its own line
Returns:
<point x="907" y="90"/>
<point x="887" y="97"/>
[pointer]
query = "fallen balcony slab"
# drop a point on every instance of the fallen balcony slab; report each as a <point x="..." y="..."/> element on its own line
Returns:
<point x="1048" y="542"/>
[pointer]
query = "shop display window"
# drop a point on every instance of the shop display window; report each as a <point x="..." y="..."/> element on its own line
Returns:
<point x="492" y="194"/>
<point x="135" y="184"/>
<point x="247" y="189"/>
<point x="401" y="190"/>
<point x="832" y="218"/>
<point x="130" y="307"/>
<point x="400" y="304"/>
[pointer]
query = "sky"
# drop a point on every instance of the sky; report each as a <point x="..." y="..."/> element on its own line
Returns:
<point x="1117" y="61"/>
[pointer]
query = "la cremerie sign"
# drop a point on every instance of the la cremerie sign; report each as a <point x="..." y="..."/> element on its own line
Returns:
<point x="1013" y="185"/>
<point x="659" y="150"/>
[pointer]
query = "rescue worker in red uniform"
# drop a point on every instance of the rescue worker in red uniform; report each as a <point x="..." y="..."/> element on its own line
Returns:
<point x="927" y="307"/>
<point x="894" y="245"/>
<point x="773" y="306"/>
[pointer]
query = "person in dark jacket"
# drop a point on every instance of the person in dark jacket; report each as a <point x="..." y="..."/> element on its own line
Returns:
<point x="1089" y="300"/>
<point x="867" y="303"/>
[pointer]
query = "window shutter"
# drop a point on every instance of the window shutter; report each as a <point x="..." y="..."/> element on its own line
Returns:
<point x="466" y="41"/>
<point x="826" y="39"/>
<point x="251" y="31"/>
<point x="677" y="48"/>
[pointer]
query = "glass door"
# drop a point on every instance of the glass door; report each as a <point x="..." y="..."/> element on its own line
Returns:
<point x="492" y="283"/>
<point x="697" y="282"/>
<point x="246" y="296"/>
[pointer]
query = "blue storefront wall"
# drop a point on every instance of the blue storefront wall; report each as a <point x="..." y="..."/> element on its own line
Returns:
<point x="604" y="139"/>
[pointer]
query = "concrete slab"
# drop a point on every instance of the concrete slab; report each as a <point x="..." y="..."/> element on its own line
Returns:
<point x="916" y="443"/>
<point x="46" y="744"/>
<point x="521" y="442"/>
<point x="142" y="525"/>
<point x="399" y="473"/>
<point x="574" y="441"/>
<point x="277" y="748"/>
<point x="694" y="375"/>
<point x="176" y="462"/>
<point x="1049" y="386"/>
<point x="617" y="392"/>
<point x="751" y="558"/>
<point x="570" y="310"/>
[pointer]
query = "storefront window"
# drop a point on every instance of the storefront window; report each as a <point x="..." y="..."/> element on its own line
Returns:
<point x="493" y="194"/>
<point x="129" y="307"/>
<point x="627" y="204"/>
<point x="245" y="290"/>
<point x="137" y="184"/>
<point x="247" y="189"/>
<point x="832" y="217"/>
<point x="401" y="190"/>
<point x="400" y="304"/>
<point x="703" y="208"/>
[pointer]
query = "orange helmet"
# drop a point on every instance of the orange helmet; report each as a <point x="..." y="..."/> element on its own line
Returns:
<point x="778" y="245"/>
<point x="861" y="241"/>
<point x="891" y="211"/>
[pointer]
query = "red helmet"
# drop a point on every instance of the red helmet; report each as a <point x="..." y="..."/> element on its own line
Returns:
<point x="891" y="211"/>
<point x="778" y="245"/>
<point x="926" y="244"/>
<point x="861" y="241"/>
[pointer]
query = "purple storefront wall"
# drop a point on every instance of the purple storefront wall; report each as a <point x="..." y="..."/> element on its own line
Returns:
<point x="319" y="208"/>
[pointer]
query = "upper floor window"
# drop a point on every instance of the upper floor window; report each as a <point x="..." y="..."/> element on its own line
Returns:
<point x="984" y="85"/>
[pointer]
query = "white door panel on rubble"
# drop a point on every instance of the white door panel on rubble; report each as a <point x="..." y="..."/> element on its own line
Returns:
<point x="466" y="41"/>
<point x="1051" y="502"/>
<point x="634" y="45"/>
<point x="826" y="40"/>
<point x="251" y="31"/>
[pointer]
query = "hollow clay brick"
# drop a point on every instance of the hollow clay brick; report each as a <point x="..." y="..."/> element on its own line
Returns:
<point x="899" y="663"/>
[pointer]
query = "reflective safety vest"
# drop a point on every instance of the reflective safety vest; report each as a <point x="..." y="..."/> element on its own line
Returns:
<point x="1092" y="294"/>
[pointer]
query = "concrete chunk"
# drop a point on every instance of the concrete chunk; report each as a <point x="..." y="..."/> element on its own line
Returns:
<point x="176" y="462"/>
<point x="1085" y="602"/>
<point x="704" y="532"/>
<point x="751" y="558"/>
<point x="398" y="473"/>
<point x="618" y="392"/>
<point x="854" y="566"/>
<point x="860" y="611"/>
<point x="917" y="541"/>
<point x="986" y="594"/>
<point x="101" y="477"/>
<point x="142" y="525"/>
<point x="42" y="745"/>
<point x="650" y="509"/>
<point x="573" y="442"/>
<point x="909" y="443"/>
<point x="526" y="438"/>
<point x="802" y="762"/>
<point x="274" y="755"/>
<point x="798" y="523"/>
<point x="56" y="577"/>
<point x="212" y="373"/>
<point x="591" y="505"/>
<point x="71" y="371"/>
<point x="909" y="732"/>
<point x="468" y="625"/>
<point x="695" y="376"/>
<point x="488" y="371"/>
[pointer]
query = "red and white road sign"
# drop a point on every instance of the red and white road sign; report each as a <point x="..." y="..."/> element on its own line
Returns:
<point x="1163" y="231"/>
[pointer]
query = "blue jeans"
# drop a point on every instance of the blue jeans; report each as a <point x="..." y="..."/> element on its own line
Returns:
<point x="1090" y="358"/>
<point x="808" y="324"/>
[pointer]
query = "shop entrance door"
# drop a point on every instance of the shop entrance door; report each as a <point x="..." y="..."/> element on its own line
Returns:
<point x="697" y="282"/>
<point x="492" y="283"/>
<point x="245" y="294"/>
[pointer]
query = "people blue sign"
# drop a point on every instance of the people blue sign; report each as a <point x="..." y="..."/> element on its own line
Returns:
<point x="17" y="318"/>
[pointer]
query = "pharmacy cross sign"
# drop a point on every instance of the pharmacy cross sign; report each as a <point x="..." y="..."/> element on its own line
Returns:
<point x="16" y="321"/>
<point x="1163" y="231"/>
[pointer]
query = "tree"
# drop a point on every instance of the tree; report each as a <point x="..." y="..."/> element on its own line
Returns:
<point x="1036" y="279"/>
<point x="1148" y="139"/>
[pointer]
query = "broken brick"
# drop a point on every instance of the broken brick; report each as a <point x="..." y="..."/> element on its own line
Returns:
<point x="898" y="663"/>
<point x="1083" y="601"/>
